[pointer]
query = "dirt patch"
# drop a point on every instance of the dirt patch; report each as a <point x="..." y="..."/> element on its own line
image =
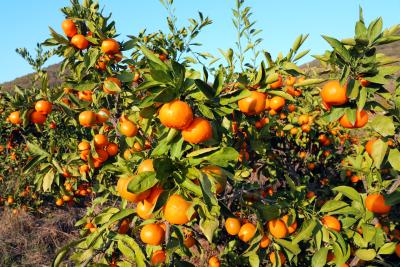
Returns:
<point x="33" y="240"/>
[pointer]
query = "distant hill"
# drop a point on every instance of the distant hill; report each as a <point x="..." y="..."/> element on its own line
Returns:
<point x="392" y="50"/>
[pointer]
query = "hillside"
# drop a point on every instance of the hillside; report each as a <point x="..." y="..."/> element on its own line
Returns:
<point x="392" y="50"/>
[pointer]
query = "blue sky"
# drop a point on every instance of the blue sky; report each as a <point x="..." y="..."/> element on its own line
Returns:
<point x="25" y="22"/>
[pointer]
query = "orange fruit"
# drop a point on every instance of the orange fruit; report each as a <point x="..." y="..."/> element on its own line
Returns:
<point x="253" y="104"/>
<point x="355" y="179"/>
<point x="83" y="169"/>
<point x="369" y="146"/>
<point x="100" y="140"/>
<point x="158" y="257"/>
<point x="83" y="145"/>
<point x="176" y="114"/>
<point x="37" y="118"/>
<point x="331" y="223"/>
<point x="398" y="250"/>
<point x="265" y="241"/>
<point x="189" y="242"/>
<point x="277" y="84"/>
<point x="261" y="123"/>
<point x="59" y="202"/>
<point x="361" y="120"/>
<point x="80" y="42"/>
<point x="146" y="166"/>
<point x="198" y="131"/>
<point x="103" y="115"/>
<point x="376" y="203"/>
<point x="110" y="46"/>
<point x="291" y="108"/>
<point x="127" y="127"/>
<point x="214" y="262"/>
<point x="306" y="128"/>
<point x="152" y="234"/>
<point x="310" y="194"/>
<point x="291" y="228"/>
<point x="273" y="260"/>
<point x="277" y="102"/>
<point x="107" y="89"/>
<point x="364" y="82"/>
<point x="85" y="95"/>
<point x="247" y="232"/>
<point x="144" y="209"/>
<point x="102" y="155"/>
<point x="69" y="28"/>
<point x="290" y="80"/>
<point x="294" y="131"/>
<point x="44" y="107"/>
<point x="122" y="188"/>
<point x="87" y="118"/>
<point x="15" y="118"/>
<point x="218" y="176"/>
<point x="175" y="210"/>
<point x="334" y="94"/>
<point x="232" y="226"/>
<point x="277" y="228"/>
<point x="84" y="154"/>
<point x="112" y="149"/>
<point x="303" y="119"/>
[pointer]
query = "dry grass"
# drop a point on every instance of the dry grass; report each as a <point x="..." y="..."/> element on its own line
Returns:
<point x="28" y="240"/>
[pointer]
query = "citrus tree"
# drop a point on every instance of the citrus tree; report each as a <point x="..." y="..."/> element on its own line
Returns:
<point x="251" y="162"/>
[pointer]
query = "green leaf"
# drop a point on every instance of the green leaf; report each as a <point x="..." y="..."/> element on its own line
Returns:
<point x="362" y="99"/>
<point x="218" y="84"/>
<point x="142" y="182"/>
<point x="86" y="86"/>
<point x="254" y="260"/>
<point x="126" y="76"/>
<point x="379" y="149"/>
<point x="349" y="192"/>
<point x="375" y="28"/>
<point x="339" y="48"/>
<point x="112" y="86"/>
<point x="152" y="57"/>
<point x="37" y="150"/>
<point x="309" y="82"/>
<point x="282" y="94"/>
<point x="207" y="90"/>
<point x="332" y="205"/>
<point x="223" y="157"/>
<point x="140" y="258"/>
<point x="48" y="180"/>
<point x="206" y="111"/>
<point x="208" y="226"/>
<point x="63" y="251"/>
<point x="394" y="159"/>
<point x="387" y="248"/>
<point x="229" y="100"/>
<point x="292" y="247"/>
<point x="201" y="151"/>
<point x="267" y="212"/>
<point x="383" y="125"/>
<point x="365" y="254"/>
<point x="319" y="258"/>
<point x="306" y="231"/>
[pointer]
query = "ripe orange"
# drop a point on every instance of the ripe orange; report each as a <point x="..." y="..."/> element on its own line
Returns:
<point x="291" y="108"/>
<point x="310" y="194"/>
<point x="83" y="169"/>
<point x="214" y="262"/>
<point x="198" y="131"/>
<point x="152" y="234"/>
<point x="294" y="131"/>
<point x="44" y="107"/>
<point x="84" y="145"/>
<point x="291" y="228"/>
<point x="355" y="179"/>
<point x="100" y="140"/>
<point x="277" y="102"/>
<point x="369" y="146"/>
<point x="112" y="149"/>
<point x="176" y="114"/>
<point x="376" y="203"/>
<point x="253" y="104"/>
<point x="144" y="209"/>
<point x="146" y="166"/>
<point x="232" y="226"/>
<point x="331" y="223"/>
<point x="69" y="28"/>
<point x="303" y="119"/>
<point x="80" y="42"/>
<point x="37" y="117"/>
<point x="84" y="154"/>
<point x="158" y="257"/>
<point x="127" y="127"/>
<point x="306" y="128"/>
<point x="247" y="232"/>
<point x="107" y="89"/>
<point x="175" y="210"/>
<point x="15" y="118"/>
<point x="361" y="120"/>
<point x="334" y="94"/>
<point x="277" y="228"/>
<point x="364" y="82"/>
<point x="102" y="155"/>
<point x="110" y="46"/>
<point x="122" y="188"/>
<point x="85" y="95"/>
<point x="189" y="241"/>
<point x="87" y="118"/>
<point x="265" y="241"/>
<point x="59" y="202"/>
<point x="262" y="122"/>
<point x="277" y="84"/>
<point x="273" y="260"/>
<point x="398" y="250"/>
<point x="103" y="115"/>
<point x="290" y="80"/>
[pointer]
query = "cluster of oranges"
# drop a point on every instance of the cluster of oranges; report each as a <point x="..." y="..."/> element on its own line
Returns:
<point x="104" y="149"/>
<point x="179" y="115"/>
<point x="36" y="116"/>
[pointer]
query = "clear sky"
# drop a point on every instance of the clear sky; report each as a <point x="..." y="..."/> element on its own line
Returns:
<point x="25" y="22"/>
